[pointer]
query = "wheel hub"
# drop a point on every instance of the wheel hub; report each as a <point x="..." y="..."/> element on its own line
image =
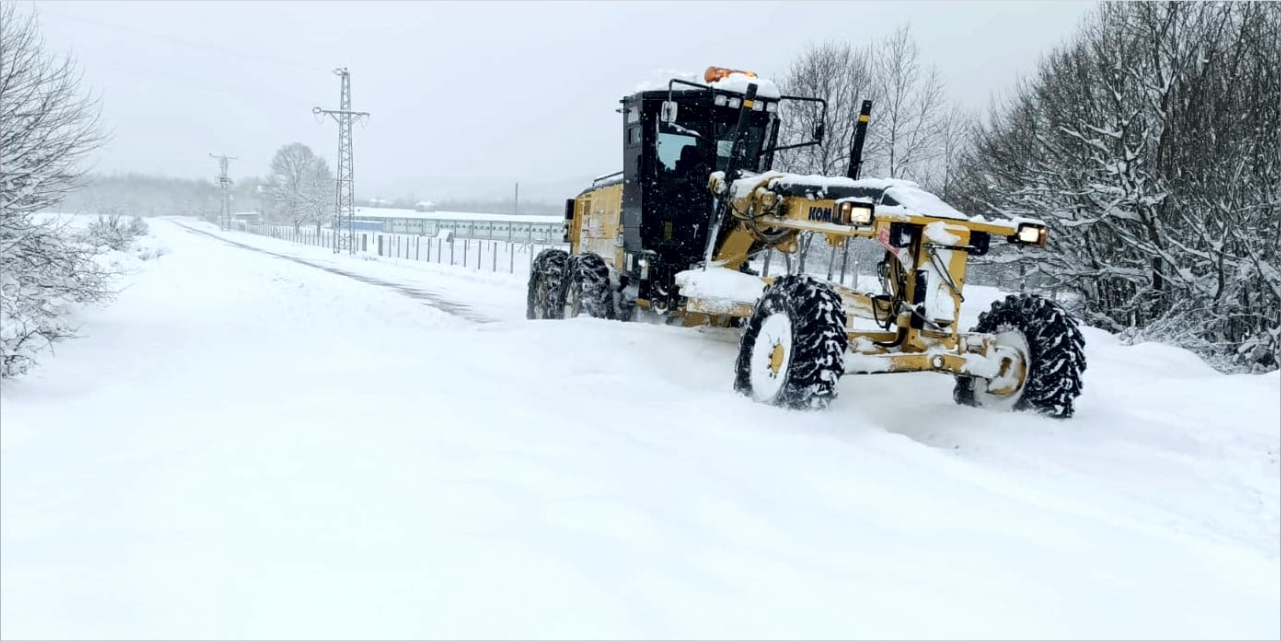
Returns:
<point x="776" y="359"/>
<point x="1012" y="348"/>
<point x="771" y="356"/>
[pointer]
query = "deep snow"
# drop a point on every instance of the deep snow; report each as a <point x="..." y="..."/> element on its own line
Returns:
<point x="244" y="446"/>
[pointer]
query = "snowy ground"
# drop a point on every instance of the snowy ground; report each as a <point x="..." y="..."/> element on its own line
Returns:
<point x="247" y="446"/>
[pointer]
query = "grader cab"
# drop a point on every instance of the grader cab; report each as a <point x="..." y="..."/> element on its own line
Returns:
<point x="675" y="233"/>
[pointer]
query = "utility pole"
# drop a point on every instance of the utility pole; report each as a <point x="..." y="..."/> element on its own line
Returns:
<point x="516" y="200"/>
<point x="224" y="214"/>
<point x="345" y="197"/>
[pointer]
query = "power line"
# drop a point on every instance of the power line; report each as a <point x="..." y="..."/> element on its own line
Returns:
<point x="345" y="185"/>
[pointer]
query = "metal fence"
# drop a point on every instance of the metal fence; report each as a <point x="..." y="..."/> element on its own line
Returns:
<point x="852" y="264"/>
<point x="510" y="256"/>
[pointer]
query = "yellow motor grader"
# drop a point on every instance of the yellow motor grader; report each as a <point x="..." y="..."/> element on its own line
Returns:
<point x="674" y="233"/>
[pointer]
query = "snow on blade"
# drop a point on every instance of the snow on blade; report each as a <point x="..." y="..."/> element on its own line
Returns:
<point x="721" y="285"/>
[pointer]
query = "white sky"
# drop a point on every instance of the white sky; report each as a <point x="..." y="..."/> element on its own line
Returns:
<point x="470" y="97"/>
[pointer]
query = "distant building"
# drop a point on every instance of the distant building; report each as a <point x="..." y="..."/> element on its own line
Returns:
<point x="248" y="217"/>
<point x="460" y="224"/>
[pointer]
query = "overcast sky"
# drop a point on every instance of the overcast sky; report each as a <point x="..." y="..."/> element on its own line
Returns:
<point x="469" y="94"/>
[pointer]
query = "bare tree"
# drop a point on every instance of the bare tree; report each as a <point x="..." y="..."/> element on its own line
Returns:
<point x="905" y="141"/>
<point x="840" y="74"/>
<point x="955" y="138"/>
<point x="914" y="133"/>
<point x="300" y="187"/>
<point x="47" y="127"/>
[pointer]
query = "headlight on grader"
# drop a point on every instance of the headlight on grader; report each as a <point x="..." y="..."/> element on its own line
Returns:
<point x="851" y="213"/>
<point x="1030" y="234"/>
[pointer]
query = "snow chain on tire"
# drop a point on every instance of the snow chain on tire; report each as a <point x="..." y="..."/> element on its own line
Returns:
<point x="587" y="282"/>
<point x="1056" y="357"/>
<point x="546" y="284"/>
<point x="818" y="342"/>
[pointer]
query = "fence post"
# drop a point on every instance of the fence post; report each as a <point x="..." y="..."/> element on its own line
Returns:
<point x="451" y="251"/>
<point x="511" y="258"/>
<point x="466" y="246"/>
<point x="397" y="245"/>
<point x="418" y="248"/>
<point x="493" y="255"/>
<point x="380" y="244"/>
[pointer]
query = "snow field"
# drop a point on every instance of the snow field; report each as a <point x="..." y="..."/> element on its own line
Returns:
<point x="243" y="446"/>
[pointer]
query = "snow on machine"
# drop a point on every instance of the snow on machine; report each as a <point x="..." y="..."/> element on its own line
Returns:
<point x="673" y="233"/>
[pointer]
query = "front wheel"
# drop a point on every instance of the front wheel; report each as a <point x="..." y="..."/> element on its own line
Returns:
<point x="792" y="353"/>
<point x="1054" y="358"/>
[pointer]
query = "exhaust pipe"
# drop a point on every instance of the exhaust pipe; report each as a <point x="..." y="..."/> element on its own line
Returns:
<point x="860" y="132"/>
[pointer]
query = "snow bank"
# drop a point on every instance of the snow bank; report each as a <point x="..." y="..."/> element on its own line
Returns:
<point x="133" y="259"/>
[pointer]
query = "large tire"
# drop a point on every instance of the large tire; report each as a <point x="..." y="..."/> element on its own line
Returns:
<point x="546" y="284"/>
<point x="1055" y="352"/>
<point x="587" y="288"/>
<point x="792" y="353"/>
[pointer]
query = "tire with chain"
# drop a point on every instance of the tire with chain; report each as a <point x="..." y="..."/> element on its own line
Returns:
<point x="792" y="353"/>
<point x="587" y="289"/>
<point x="1055" y="351"/>
<point x="546" y="284"/>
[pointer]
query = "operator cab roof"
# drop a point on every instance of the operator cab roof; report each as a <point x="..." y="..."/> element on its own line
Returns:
<point x="720" y="78"/>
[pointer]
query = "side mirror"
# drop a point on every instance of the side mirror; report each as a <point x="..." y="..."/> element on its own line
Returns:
<point x="819" y="130"/>
<point x="668" y="114"/>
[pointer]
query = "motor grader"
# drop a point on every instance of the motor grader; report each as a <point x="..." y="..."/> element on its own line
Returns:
<point x="674" y="233"/>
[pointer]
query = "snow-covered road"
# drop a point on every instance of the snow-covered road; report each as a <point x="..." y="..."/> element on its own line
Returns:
<point x="428" y="296"/>
<point x="245" y="446"/>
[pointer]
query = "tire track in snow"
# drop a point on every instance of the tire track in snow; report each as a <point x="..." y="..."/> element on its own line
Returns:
<point x="429" y="298"/>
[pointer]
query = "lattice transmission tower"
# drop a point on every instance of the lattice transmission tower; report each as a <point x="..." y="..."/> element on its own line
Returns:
<point x="345" y="185"/>
<point x="224" y="181"/>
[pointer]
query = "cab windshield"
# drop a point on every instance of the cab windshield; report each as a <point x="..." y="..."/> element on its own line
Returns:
<point x="725" y="145"/>
<point x="689" y="141"/>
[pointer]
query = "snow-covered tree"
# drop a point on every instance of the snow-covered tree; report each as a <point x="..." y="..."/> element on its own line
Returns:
<point x="47" y="127"/>
<point x="1149" y="144"/>
<point x="300" y="187"/>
